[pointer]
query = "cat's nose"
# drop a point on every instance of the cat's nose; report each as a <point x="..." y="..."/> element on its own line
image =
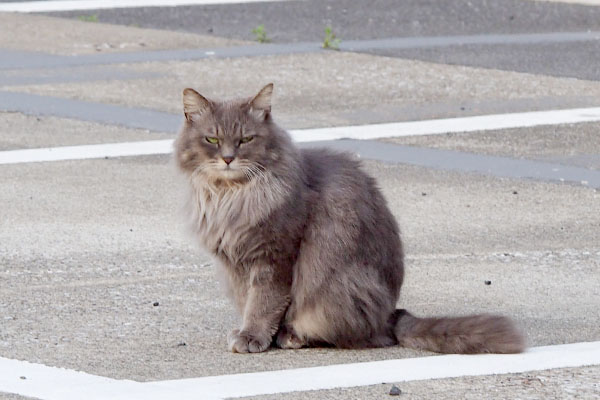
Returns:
<point x="227" y="160"/>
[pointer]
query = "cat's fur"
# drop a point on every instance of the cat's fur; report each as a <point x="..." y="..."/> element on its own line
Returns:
<point x="310" y="250"/>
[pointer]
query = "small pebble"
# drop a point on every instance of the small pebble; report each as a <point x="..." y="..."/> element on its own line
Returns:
<point x="515" y="192"/>
<point x="488" y="282"/>
<point x="395" y="391"/>
<point x="423" y="194"/>
<point x="155" y="304"/>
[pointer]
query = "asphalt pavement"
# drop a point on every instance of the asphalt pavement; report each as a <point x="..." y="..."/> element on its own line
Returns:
<point x="97" y="273"/>
<point x="305" y="21"/>
<point x="296" y="21"/>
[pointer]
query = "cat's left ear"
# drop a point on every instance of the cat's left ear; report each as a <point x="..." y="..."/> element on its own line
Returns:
<point x="260" y="105"/>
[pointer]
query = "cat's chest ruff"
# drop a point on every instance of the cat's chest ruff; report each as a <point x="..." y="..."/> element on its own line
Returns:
<point x="225" y="221"/>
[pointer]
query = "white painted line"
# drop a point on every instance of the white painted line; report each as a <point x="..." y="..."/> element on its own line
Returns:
<point x="586" y="2"/>
<point x="376" y="372"/>
<point x="451" y="125"/>
<point x="377" y="131"/>
<point x="74" y="5"/>
<point x="86" y="152"/>
<point x="50" y="383"/>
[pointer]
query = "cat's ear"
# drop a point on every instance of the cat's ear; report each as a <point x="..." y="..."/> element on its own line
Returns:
<point x="194" y="104"/>
<point x="260" y="105"/>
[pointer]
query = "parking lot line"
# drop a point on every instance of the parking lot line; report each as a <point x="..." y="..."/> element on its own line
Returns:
<point x="360" y="132"/>
<point x="450" y="125"/>
<point x="73" y="5"/>
<point x="86" y="151"/>
<point x="51" y="383"/>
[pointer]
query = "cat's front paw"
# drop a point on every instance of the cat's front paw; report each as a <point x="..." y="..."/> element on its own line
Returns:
<point x="245" y="342"/>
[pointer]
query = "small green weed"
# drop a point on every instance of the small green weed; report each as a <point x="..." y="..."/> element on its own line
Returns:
<point x="260" y="34"/>
<point x="88" y="18"/>
<point x="330" y="41"/>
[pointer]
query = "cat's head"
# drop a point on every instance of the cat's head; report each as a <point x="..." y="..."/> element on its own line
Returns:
<point x="224" y="142"/>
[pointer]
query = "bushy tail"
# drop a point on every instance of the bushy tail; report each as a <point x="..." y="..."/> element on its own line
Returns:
<point x="459" y="335"/>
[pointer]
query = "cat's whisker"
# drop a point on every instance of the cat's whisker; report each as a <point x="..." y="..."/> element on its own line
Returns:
<point x="255" y="172"/>
<point x="251" y="170"/>
<point x="248" y="173"/>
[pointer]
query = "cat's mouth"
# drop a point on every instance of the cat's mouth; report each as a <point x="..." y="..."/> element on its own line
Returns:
<point x="229" y="173"/>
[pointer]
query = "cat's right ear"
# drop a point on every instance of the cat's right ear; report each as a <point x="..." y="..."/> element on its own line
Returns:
<point x="260" y="105"/>
<point x="194" y="104"/>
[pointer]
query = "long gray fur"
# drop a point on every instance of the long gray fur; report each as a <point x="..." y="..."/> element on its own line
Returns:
<point x="310" y="252"/>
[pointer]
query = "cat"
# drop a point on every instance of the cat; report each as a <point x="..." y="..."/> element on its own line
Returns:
<point x="311" y="253"/>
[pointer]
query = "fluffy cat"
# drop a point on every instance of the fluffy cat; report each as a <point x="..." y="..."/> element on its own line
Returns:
<point x="311" y="253"/>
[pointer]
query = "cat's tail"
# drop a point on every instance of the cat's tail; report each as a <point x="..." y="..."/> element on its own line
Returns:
<point x="459" y="335"/>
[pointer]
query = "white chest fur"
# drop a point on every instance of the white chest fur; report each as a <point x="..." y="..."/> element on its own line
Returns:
<point x="224" y="218"/>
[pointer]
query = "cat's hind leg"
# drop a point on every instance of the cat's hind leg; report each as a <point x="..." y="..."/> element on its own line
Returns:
<point x="288" y="339"/>
<point x="337" y="318"/>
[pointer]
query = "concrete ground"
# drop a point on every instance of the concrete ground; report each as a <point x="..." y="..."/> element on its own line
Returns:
<point x="316" y="90"/>
<point x="50" y="35"/>
<point x="29" y="131"/>
<point x="97" y="273"/>
<point x="103" y="248"/>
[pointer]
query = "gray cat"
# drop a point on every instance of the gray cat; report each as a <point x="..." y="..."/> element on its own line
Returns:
<point x="310" y="250"/>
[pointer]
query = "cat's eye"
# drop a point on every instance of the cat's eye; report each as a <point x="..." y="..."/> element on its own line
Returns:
<point x="246" y="139"/>
<point x="212" y="140"/>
